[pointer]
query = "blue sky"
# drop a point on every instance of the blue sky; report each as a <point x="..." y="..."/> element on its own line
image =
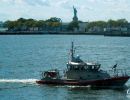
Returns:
<point x="88" y="10"/>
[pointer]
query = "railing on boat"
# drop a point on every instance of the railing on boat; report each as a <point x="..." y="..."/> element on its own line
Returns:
<point x="112" y="72"/>
<point x="118" y="72"/>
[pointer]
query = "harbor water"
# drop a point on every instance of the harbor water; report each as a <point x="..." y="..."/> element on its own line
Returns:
<point x="24" y="57"/>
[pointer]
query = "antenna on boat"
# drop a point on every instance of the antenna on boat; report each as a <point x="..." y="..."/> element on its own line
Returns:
<point x="72" y="51"/>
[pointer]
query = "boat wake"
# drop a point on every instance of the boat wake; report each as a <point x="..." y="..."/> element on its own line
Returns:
<point x="79" y="86"/>
<point x="26" y="81"/>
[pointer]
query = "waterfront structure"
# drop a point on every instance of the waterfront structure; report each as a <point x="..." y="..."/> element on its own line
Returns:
<point x="64" y="27"/>
<point x="128" y="28"/>
<point x="96" y="29"/>
<point x="116" y="30"/>
<point x="2" y="28"/>
<point x="82" y="26"/>
<point x="1" y="24"/>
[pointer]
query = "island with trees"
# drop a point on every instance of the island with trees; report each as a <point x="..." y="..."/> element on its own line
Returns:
<point x="54" y="25"/>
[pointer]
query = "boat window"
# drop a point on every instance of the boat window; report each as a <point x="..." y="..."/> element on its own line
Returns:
<point x="76" y="68"/>
<point x="85" y="67"/>
<point x="89" y="67"/>
<point x="88" y="75"/>
<point x="82" y="68"/>
<point x="67" y="66"/>
<point x="80" y="77"/>
<point x="93" y="67"/>
<point x="96" y="67"/>
<point x="98" y="75"/>
<point x="71" y="67"/>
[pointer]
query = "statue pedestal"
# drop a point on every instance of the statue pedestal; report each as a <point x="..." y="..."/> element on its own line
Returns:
<point x="75" y="19"/>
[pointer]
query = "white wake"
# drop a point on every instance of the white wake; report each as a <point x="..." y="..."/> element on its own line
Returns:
<point x="27" y="81"/>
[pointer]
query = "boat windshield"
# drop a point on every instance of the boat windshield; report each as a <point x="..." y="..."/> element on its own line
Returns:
<point x="78" y="66"/>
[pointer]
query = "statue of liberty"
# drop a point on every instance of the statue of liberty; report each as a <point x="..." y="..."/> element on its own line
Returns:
<point x="75" y="11"/>
<point x="75" y="18"/>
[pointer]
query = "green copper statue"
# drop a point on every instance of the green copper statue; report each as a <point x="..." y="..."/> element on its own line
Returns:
<point x="75" y="11"/>
<point x="75" y="18"/>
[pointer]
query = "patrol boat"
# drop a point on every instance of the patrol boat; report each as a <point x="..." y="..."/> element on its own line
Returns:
<point x="80" y="73"/>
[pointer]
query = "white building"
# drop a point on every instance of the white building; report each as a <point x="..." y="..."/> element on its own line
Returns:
<point x="64" y="26"/>
<point x="82" y="26"/>
<point x="3" y="29"/>
<point x="1" y="24"/>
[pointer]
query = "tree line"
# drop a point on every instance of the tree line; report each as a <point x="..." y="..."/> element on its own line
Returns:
<point x="25" y="24"/>
<point x="110" y="23"/>
<point x="55" y="23"/>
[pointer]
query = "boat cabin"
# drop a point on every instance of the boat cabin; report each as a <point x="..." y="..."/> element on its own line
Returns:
<point x="77" y="69"/>
<point x="85" y="71"/>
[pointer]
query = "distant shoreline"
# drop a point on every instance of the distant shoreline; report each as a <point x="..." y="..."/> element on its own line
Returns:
<point x="60" y="33"/>
<point x="49" y="33"/>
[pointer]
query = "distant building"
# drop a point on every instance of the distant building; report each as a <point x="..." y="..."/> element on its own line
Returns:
<point x="128" y="28"/>
<point x="118" y="29"/>
<point x="82" y="26"/>
<point x="2" y="29"/>
<point x="64" y="27"/>
<point x="1" y="24"/>
<point x="33" y="29"/>
<point x="109" y="29"/>
<point x="95" y="29"/>
<point x="124" y="29"/>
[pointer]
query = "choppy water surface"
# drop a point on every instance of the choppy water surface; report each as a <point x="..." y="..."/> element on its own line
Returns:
<point x="22" y="58"/>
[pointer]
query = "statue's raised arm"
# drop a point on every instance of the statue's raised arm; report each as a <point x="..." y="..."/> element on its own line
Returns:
<point x="75" y="11"/>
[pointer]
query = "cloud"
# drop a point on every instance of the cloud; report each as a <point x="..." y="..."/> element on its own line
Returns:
<point x="28" y="2"/>
<point x="87" y="9"/>
<point x="66" y="4"/>
<point x="37" y="2"/>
